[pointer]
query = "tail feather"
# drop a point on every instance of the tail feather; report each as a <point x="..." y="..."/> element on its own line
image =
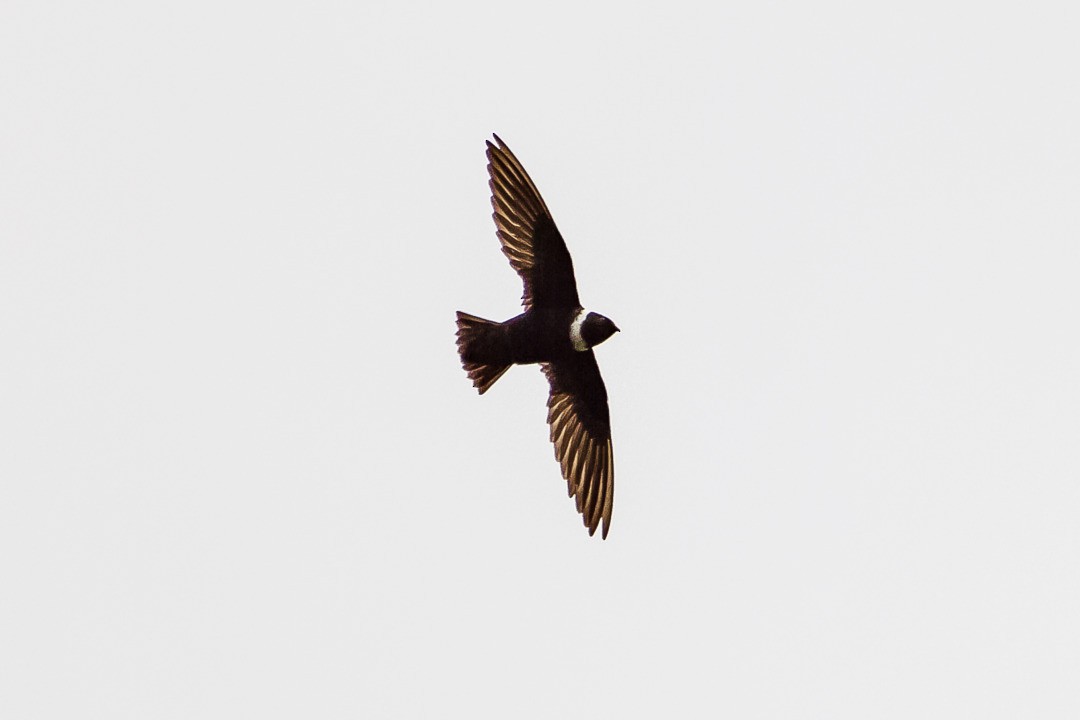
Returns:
<point x="484" y="348"/>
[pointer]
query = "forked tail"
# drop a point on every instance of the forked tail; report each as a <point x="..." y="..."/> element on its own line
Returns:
<point x="484" y="347"/>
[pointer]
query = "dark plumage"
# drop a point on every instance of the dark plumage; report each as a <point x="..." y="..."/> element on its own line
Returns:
<point x="554" y="331"/>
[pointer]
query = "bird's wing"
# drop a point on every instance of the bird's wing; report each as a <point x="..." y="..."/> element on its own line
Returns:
<point x="581" y="432"/>
<point x="528" y="234"/>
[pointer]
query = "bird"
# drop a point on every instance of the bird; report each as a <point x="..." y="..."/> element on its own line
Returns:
<point x="555" y="331"/>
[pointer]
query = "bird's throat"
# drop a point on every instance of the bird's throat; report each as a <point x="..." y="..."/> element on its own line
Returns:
<point x="575" y="332"/>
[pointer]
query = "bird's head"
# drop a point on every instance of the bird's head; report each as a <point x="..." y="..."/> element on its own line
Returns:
<point x="596" y="328"/>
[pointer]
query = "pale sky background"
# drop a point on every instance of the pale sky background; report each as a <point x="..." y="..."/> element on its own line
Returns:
<point x="242" y="473"/>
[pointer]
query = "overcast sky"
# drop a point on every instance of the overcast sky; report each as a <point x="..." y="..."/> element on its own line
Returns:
<point x="242" y="473"/>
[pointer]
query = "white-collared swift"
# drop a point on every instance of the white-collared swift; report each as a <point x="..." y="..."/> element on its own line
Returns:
<point x="554" y="331"/>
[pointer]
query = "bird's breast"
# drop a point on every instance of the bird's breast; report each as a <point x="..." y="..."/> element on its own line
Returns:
<point x="541" y="335"/>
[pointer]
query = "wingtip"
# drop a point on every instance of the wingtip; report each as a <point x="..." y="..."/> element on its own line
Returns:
<point x="603" y="529"/>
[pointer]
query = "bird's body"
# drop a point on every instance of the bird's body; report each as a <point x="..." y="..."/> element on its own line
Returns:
<point x="554" y="331"/>
<point x="540" y="335"/>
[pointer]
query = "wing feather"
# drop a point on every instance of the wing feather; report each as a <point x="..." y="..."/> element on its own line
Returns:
<point x="580" y="431"/>
<point x="530" y="240"/>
